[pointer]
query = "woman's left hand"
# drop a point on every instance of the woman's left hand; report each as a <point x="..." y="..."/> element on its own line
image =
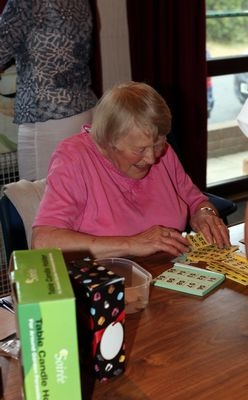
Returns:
<point x="212" y="228"/>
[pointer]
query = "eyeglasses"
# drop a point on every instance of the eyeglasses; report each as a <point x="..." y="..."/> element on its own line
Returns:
<point x="157" y="147"/>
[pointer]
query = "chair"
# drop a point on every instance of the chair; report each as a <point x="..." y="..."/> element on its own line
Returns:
<point x="16" y="224"/>
<point x="13" y="230"/>
<point x="18" y="206"/>
<point x="224" y="206"/>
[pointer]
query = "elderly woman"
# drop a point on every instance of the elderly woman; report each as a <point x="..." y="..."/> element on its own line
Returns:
<point x="118" y="188"/>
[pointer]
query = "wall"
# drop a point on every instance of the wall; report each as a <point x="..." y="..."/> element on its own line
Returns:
<point x="114" y="42"/>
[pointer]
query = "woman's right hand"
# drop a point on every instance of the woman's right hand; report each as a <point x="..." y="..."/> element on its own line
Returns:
<point x="158" y="238"/>
<point x="246" y="230"/>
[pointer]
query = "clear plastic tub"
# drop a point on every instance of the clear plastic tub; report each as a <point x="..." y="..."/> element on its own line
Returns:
<point x="137" y="281"/>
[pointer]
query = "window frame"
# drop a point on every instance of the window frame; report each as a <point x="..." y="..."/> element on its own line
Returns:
<point x="219" y="66"/>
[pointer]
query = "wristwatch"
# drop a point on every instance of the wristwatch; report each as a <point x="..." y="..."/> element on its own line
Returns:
<point x="208" y="209"/>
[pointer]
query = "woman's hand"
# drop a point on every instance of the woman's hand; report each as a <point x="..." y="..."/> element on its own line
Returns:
<point x="246" y="230"/>
<point x="212" y="228"/>
<point x="158" y="238"/>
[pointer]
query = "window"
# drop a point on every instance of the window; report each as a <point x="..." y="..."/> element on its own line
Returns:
<point x="227" y="89"/>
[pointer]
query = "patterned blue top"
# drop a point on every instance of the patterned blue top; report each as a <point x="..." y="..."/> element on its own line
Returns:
<point x="51" y="43"/>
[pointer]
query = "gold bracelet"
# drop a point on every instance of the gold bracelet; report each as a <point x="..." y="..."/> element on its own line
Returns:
<point x="208" y="209"/>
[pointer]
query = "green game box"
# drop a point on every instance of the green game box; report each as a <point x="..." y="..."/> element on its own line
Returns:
<point x="46" y="324"/>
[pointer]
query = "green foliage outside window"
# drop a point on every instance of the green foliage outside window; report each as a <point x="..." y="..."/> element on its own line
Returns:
<point x="224" y="22"/>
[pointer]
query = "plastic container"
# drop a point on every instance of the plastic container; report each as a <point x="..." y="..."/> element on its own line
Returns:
<point x="137" y="282"/>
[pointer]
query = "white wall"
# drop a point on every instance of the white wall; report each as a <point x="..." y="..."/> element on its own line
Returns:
<point x="114" y="42"/>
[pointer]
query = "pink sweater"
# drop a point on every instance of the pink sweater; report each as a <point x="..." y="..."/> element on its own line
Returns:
<point x="86" y="193"/>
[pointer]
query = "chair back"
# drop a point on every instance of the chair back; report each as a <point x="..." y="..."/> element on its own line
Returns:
<point x="18" y="206"/>
<point x="13" y="231"/>
<point x="224" y="206"/>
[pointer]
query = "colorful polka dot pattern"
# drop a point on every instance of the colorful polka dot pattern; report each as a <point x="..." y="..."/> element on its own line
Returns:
<point x="100" y="305"/>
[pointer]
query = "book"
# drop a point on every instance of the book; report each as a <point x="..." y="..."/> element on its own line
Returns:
<point x="189" y="279"/>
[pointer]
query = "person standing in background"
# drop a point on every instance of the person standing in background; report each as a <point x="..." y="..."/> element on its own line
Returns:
<point x="246" y="230"/>
<point x="51" y="42"/>
<point x="242" y="120"/>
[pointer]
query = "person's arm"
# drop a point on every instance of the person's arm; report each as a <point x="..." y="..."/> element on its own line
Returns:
<point x="246" y="230"/>
<point x="14" y="23"/>
<point x="207" y="221"/>
<point x="201" y="219"/>
<point x="155" y="239"/>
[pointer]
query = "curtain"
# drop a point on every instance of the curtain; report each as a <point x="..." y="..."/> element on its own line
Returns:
<point x="2" y="5"/>
<point x="167" y="50"/>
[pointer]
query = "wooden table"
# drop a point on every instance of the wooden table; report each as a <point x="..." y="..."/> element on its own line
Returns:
<point x="181" y="347"/>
